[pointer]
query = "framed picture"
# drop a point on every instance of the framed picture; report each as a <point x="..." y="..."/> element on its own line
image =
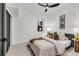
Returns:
<point x="62" y="22"/>
<point x="40" y="25"/>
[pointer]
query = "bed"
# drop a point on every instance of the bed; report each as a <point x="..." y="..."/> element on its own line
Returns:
<point x="45" y="47"/>
<point x="41" y="48"/>
<point x="65" y="43"/>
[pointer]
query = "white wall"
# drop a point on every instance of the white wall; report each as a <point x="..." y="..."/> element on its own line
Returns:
<point x="24" y="24"/>
<point x="69" y="13"/>
<point x="72" y="19"/>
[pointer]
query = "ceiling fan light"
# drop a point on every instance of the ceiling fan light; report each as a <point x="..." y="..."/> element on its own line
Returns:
<point x="47" y="7"/>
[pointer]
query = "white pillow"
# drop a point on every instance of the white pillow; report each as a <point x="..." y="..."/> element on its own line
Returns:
<point x="61" y="36"/>
<point x="65" y="38"/>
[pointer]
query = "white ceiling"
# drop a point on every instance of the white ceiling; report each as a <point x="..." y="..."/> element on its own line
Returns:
<point x="34" y="7"/>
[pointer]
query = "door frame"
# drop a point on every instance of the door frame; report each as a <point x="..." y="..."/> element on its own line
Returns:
<point x="4" y="39"/>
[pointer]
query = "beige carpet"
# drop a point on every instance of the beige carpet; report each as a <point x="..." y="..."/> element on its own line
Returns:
<point x="71" y="52"/>
<point x="18" y="50"/>
<point x="21" y="50"/>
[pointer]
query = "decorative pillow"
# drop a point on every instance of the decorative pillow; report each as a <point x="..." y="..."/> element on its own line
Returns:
<point x="56" y="36"/>
<point x="53" y="35"/>
<point x="50" y="35"/>
<point x="63" y="37"/>
<point x="60" y="36"/>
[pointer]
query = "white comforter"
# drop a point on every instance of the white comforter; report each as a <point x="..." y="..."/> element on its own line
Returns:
<point x="45" y="48"/>
<point x="59" y="47"/>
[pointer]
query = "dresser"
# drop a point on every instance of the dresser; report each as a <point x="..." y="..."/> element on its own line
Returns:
<point x="76" y="45"/>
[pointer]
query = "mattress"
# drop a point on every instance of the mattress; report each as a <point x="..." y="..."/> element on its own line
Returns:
<point x="65" y="43"/>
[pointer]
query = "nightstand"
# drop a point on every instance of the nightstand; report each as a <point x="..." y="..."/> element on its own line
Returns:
<point x="76" y="45"/>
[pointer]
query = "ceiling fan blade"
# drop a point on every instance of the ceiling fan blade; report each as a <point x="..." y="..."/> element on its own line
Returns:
<point x="42" y="5"/>
<point x="54" y="5"/>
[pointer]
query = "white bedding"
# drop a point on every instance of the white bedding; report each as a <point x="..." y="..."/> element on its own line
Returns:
<point x="45" y="48"/>
<point x="65" y="43"/>
<point x="59" y="47"/>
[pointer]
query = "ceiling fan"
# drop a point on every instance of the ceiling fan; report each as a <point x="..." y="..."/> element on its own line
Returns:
<point x="48" y="5"/>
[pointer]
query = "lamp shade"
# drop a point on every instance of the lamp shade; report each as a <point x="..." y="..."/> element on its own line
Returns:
<point x="48" y="29"/>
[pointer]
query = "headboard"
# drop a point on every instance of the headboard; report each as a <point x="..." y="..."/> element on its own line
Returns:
<point x="70" y="36"/>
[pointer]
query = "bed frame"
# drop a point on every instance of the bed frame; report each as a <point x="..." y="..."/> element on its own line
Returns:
<point x="30" y="50"/>
<point x="70" y="36"/>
